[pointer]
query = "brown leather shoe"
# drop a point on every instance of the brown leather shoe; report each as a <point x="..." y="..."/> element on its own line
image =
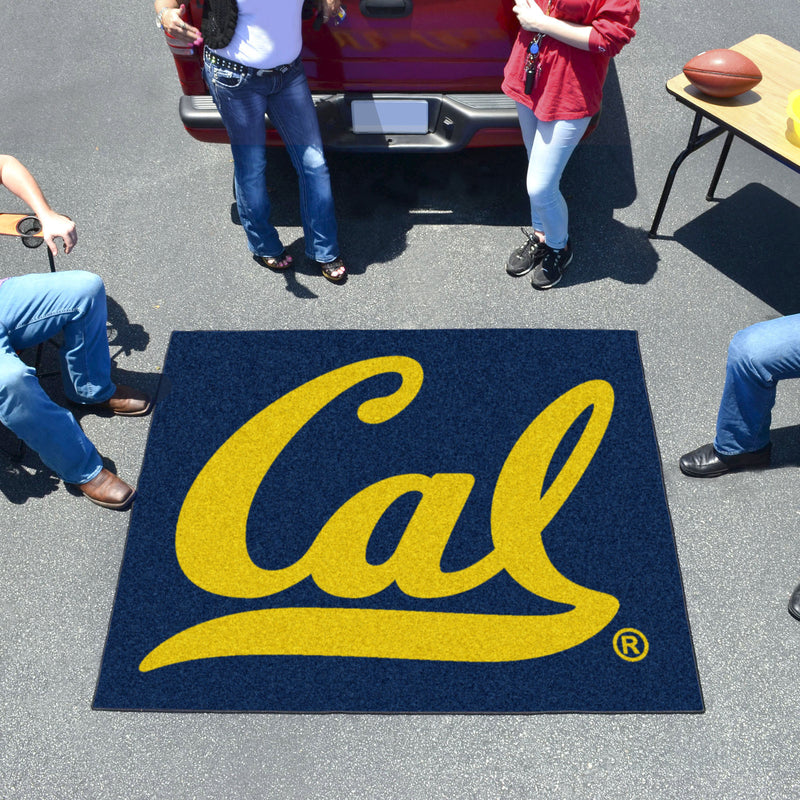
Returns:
<point x="107" y="490"/>
<point x="127" y="402"/>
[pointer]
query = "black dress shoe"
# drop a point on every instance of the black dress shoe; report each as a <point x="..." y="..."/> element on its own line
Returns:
<point x="706" y="462"/>
<point x="794" y="602"/>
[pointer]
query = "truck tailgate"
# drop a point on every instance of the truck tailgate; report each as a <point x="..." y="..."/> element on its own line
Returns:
<point x="412" y="45"/>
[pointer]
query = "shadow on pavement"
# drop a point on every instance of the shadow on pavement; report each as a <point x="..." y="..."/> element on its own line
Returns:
<point x="785" y="446"/>
<point x="380" y="197"/>
<point x="20" y="482"/>
<point x="753" y="237"/>
<point x="599" y="179"/>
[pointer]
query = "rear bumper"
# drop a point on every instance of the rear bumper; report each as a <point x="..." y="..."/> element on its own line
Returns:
<point x="455" y="121"/>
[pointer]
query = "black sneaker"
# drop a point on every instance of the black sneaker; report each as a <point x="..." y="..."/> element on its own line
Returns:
<point x="525" y="258"/>
<point x="552" y="266"/>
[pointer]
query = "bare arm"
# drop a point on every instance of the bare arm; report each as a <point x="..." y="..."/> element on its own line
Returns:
<point x="20" y="182"/>
<point x="329" y="8"/>
<point x="172" y="16"/>
<point x="532" y="18"/>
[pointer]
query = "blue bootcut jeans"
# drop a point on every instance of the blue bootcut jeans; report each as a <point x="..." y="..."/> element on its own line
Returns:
<point x="758" y="357"/>
<point x="243" y="100"/>
<point x="34" y="308"/>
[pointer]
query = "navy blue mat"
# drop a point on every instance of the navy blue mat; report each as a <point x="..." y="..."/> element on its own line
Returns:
<point x="401" y="521"/>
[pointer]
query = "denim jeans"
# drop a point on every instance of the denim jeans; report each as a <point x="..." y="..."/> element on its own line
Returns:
<point x="243" y="100"/>
<point x="549" y="146"/>
<point x="758" y="357"/>
<point x="34" y="308"/>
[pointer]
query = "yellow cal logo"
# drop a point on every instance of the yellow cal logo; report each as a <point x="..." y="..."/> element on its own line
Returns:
<point x="211" y="542"/>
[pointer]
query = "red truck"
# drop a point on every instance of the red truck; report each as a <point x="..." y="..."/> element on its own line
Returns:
<point x="401" y="75"/>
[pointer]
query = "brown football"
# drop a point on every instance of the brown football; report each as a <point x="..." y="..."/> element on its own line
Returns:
<point x="722" y="73"/>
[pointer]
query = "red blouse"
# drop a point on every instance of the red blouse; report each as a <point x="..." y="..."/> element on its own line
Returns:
<point x="570" y="81"/>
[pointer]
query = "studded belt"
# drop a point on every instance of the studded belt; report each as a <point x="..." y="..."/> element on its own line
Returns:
<point x="235" y="66"/>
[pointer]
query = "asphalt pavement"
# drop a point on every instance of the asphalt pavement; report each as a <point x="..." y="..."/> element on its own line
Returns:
<point x="89" y="104"/>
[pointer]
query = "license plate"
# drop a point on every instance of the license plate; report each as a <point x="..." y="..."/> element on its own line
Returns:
<point x="389" y="116"/>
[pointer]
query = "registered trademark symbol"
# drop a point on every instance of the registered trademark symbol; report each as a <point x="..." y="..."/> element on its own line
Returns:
<point x="630" y="644"/>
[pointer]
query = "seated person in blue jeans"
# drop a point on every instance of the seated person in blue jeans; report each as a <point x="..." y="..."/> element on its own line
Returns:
<point x="34" y="308"/>
<point x="758" y="357"/>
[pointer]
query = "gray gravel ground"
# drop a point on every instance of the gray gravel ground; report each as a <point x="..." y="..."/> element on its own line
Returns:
<point x="90" y="105"/>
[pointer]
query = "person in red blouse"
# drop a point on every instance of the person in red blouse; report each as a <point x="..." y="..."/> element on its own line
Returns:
<point x="555" y="73"/>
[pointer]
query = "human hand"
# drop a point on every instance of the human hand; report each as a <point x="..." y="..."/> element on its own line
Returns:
<point x="172" y="20"/>
<point x="328" y="8"/>
<point x="530" y="16"/>
<point x="57" y="226"/>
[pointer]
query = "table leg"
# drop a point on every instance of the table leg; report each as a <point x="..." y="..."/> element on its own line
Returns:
<point x="720" y="164"/>
<point x="696" y="141"/>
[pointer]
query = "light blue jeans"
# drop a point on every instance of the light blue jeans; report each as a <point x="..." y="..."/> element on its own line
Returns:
<point x="34" y="308"/>
<point x="549" y="146"/>
<point x="243" y="100"/>
<point x="758" y="357"/>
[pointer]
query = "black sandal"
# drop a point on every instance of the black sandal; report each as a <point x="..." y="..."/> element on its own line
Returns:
<point x="274" y="262"/>
<point x="330" y="267"/>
